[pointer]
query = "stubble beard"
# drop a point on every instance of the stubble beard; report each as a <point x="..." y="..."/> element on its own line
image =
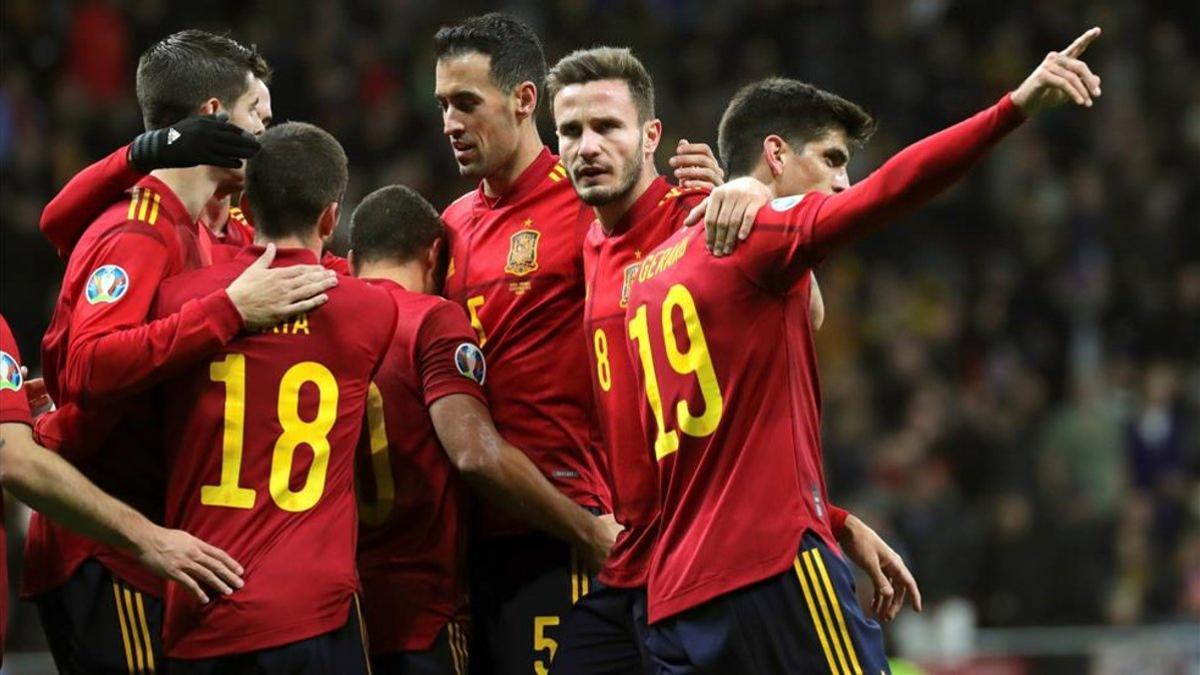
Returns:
<point x="601" y="196"/>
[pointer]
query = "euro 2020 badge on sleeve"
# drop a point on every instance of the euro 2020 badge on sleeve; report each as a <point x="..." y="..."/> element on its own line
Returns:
<point x="107" y="285"/>
<point x="470" y="363"/>
<point x="10" y="373"/>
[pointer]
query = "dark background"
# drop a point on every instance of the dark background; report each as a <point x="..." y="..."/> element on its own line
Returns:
<point x="1011" y="377"/>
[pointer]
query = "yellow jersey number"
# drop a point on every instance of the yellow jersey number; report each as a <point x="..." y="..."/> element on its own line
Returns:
<point x="603" y="367"/>
<point x="231" y="371"/>
<point x="474" y="303"/>
<point x="694" y="361"/>
<point x="376" y="513"/>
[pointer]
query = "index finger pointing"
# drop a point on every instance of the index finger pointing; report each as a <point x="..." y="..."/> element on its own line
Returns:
<point x="1081" y="43"/>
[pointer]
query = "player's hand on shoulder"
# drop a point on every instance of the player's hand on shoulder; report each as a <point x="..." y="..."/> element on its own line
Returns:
<point x="729" y="213"/>
<point x="193" y="141"/>
<point x="1059" y="78"/>
<point x="266" y="296"/>
<point x="889" y="575"/>
<point x="696" y="166"/>
<point x="180" y="557"/>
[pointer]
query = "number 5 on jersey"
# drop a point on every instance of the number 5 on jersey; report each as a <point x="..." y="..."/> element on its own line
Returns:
<point x="695" y="360"/>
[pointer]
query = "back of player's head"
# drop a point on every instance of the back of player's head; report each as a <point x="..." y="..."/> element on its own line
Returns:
<point x="515" y="50"/>
<point x="393" y="224"/>
<point x="605" y="63"/>
<point x="300" y="170"/>
<point x="179" y="73"/>
<point x="795" y="111"/>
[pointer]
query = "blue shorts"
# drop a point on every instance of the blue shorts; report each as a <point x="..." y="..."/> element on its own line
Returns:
<point x="805" y="620"/>
<point x="447" y="656"/>
<point x="605" y="634"/>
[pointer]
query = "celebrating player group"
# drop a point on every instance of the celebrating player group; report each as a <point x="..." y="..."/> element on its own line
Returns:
<point x="395" y="462"/>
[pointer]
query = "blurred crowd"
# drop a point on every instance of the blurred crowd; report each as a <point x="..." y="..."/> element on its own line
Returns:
<point x="1011" y="376"/>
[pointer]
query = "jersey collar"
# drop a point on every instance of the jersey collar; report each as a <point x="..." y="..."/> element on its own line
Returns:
<point x="530" y="178"/>
<point x="642" y="208"/>
<point x="283" y="256"/>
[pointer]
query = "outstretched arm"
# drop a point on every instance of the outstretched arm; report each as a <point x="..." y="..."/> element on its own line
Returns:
<point x="46" y="482"/>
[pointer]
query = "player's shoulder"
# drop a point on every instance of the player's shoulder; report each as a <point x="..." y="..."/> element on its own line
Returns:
<point x="685" y="199"/>
<point x="789" y="209"/>
<point x="459" y="210"/>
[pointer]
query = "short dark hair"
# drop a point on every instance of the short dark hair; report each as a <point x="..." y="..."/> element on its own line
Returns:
<point x="300" y="170"/>
<point x="179" y="73"/>
<point x="515" y="50"/>
<point x="605" y="63"/>
<point x="794" y="110"/>
<point x="393" y="223"/>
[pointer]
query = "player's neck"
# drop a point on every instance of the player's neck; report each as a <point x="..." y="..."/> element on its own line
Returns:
<point x="762" y="174"/>
<point x="410" y="275"/>
<point x="528" y="149"/>
<point x="312" y="244"/>
<point x="611" y="213"/>
<point x="193" y="186"/>
<point x="216" y="214"/>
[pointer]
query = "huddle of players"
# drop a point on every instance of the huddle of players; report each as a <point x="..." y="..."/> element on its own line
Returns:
<point x="263" y="370"/>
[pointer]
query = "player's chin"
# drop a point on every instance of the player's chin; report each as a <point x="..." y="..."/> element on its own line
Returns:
<point x="596" y="195"/>
<point x="231" y="180"/>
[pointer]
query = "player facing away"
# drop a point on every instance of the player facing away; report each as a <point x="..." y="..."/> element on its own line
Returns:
<point x="102" y="351"/>
<point x="731" y="401"/>
<point x="429" y="432"/>
<point x="261" y="439"/>
<point x="603" y="103"/>
<point x="46" y="482"/>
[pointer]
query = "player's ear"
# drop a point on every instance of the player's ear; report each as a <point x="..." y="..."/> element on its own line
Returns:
<point x="651" y="135"/>
<point x="328" y="220"/>
<point x="526" y="94"/>
<point x="772" y="153"/>
<point x="210" y="107"/>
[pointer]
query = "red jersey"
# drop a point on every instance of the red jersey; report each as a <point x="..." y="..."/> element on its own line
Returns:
<point x="731" y="399"/>
<point x="14" y="407"/>
<point x="101" y="353"/>
<point x="261" y="442"/>
<point x="610" y="260"/>
<point x="411" y="500"/>
<point x="516" y="265"/>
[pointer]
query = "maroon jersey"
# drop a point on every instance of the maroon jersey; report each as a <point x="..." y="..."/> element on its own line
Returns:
<point x="516" y="265"/>
<point x="260" y="445"/>
<point x="411" y="499"/>
<point x="610" y="261"/>
<point x="731" y="400"/>
<point x="14" y="407"/>
<point x="101" y="353"/>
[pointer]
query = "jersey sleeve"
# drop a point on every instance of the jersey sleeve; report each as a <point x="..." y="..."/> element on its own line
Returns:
<point x="114" y="349"/>
<point x="14" y="406"/>
<point x="808" y="228"/>
<point x="448" y="355"/>
<point x="85" y="197"/>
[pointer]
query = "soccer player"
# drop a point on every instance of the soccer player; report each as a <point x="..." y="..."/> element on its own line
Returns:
<point x="603" y="103"/>
<point x="49" y="484"/>
<point x="746" y="576"/>
<point x="516" y="267"/>
<point x="430" y="430"/>
<point x="101" y="352"/>
<point x="261" y="439"/>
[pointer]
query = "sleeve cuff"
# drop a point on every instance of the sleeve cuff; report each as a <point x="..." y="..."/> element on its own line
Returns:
<point x="1008" y="111"/>
<point x="222" y="315"/>
<point x="837" y="520"/>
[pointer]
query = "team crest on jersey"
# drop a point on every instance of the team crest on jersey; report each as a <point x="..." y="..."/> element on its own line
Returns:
<point x="468" y="358"/>
<point x="10" y="373"/>
<point x="786" y="203"/>
<point x="107" y="285"/>
<point x="523" y="250"/>
<point x="630" y="274"/>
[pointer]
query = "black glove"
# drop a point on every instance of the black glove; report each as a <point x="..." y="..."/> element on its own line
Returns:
<point x="207" y="139"/>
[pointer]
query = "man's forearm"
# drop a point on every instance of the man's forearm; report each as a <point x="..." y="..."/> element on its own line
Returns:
<point x="50" y="485"/>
